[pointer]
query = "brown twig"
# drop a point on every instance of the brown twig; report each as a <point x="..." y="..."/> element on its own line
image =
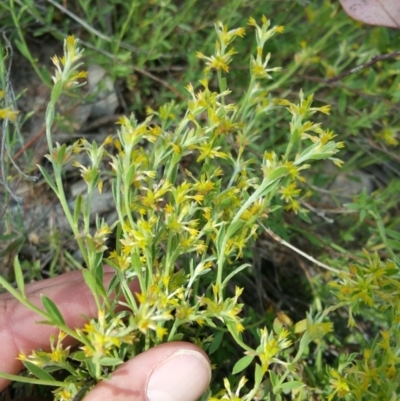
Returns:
<point x="277" y="238"/>
<point x="374" y="60"/>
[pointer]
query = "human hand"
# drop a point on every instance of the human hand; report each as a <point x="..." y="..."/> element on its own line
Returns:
<point x="175" y="371"/>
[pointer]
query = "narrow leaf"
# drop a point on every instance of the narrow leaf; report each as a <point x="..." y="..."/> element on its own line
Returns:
<point x="78" y="207"/>
<point x="258" y="375"/>
<point x="223" y="84"/>
<point x="52" y="310"/>
<point x="37" y="371"/>
<point x="393" y="234"/>
<point x="234" y="227"/>
<point x="99" y="272"/>
<point x="47" y="178"/>
<point x="394" y="244"/>
<point x="109" y="361"/>
<point x="78" y="356"/>
<point x="177" y="337"/>
<point x="19" y="276"/>
<point x="242" y="364"/>
<point x="23" y="49"/>
<point x="234" y="272"/>
<point x="89" y="280"/>
<point x="220" y="240"/>
<point x="216" y="342"/>
<point x="292" y="385"/>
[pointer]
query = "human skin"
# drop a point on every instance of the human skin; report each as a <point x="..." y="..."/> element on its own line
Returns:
<point x="176" y="371"/>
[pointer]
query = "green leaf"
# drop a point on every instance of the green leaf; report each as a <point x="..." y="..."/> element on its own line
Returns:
<point x="23" y="49"/>
<point x="129" y="174"/>
<point x="223" y="84"/>
<point x="277" y="326"/>
<point x="90" y="280"/>
<point x="61" y="154"/>
<point x="56" y="93"/>
<point x="258" y="375"/>
<point x="352" y="206"/>
<point x="19" y="276"/>
<point x="292" y="385"/>
<point x="312" y="238"/>
<point x="109" y="361"/>
<point x="37" y="371"/>
<point x="99" y="271"/>
<point x="305" y="217"/>
<point x="47" y="178"/>
<point x="231" y="326"/>
<point x="393" y="234"/>
<point x="242" y="364"/>
<point x="216" y="342"/>
<point x="177" y="337"/>
<point x="91" y="367"/>
<point x="220" y="240"/>
<point x="78" y="208"/>
<point x="78" y="356"/>
<point x="394" y="244"/>
<point x="273" y="378"/>
<point x="46" y="75"/>
<point x="234" y="272"/>
<point x="234" y="227"/>
<point x="52" y="310"/>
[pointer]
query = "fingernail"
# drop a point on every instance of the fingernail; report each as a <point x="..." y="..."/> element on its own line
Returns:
<point x="183" y="376"/>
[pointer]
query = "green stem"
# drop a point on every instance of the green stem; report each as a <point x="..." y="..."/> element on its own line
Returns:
<point x="173" y="329"/>
<point x="147" y="342"/>
<point x="64" y="203"/>
<point x="24" y="301"/>
<point x="244" y="105"/>
<point x="168" y="257"/>
<point x="57" y="171"/>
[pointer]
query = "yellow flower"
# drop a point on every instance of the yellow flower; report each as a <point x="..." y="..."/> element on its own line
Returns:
<point x="8" y="114"/>
<point x="341" y="388"/>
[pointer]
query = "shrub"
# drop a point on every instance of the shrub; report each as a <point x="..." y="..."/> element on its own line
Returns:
<point x="191" y="197"/>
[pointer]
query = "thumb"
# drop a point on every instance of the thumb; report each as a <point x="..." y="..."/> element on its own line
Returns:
<point x="175" y="371"/>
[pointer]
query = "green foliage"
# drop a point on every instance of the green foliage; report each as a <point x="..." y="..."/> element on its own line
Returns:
<point x="192" y="189"/>
<point x="373" y="373"/>
<point x="166" y="219"/>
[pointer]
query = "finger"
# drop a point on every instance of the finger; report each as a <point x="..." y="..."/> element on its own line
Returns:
<point x="19" y="328"/>
<point x="175" y="371"/>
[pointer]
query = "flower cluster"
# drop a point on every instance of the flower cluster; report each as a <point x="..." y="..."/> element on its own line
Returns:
<point x="189" y="199"/>
<point x="368" y="285"/>
<point x="104" y="336"/>
<point x="57" y="356"/>
<point x="223" y="57"/>
<point x="66" y="67"/>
